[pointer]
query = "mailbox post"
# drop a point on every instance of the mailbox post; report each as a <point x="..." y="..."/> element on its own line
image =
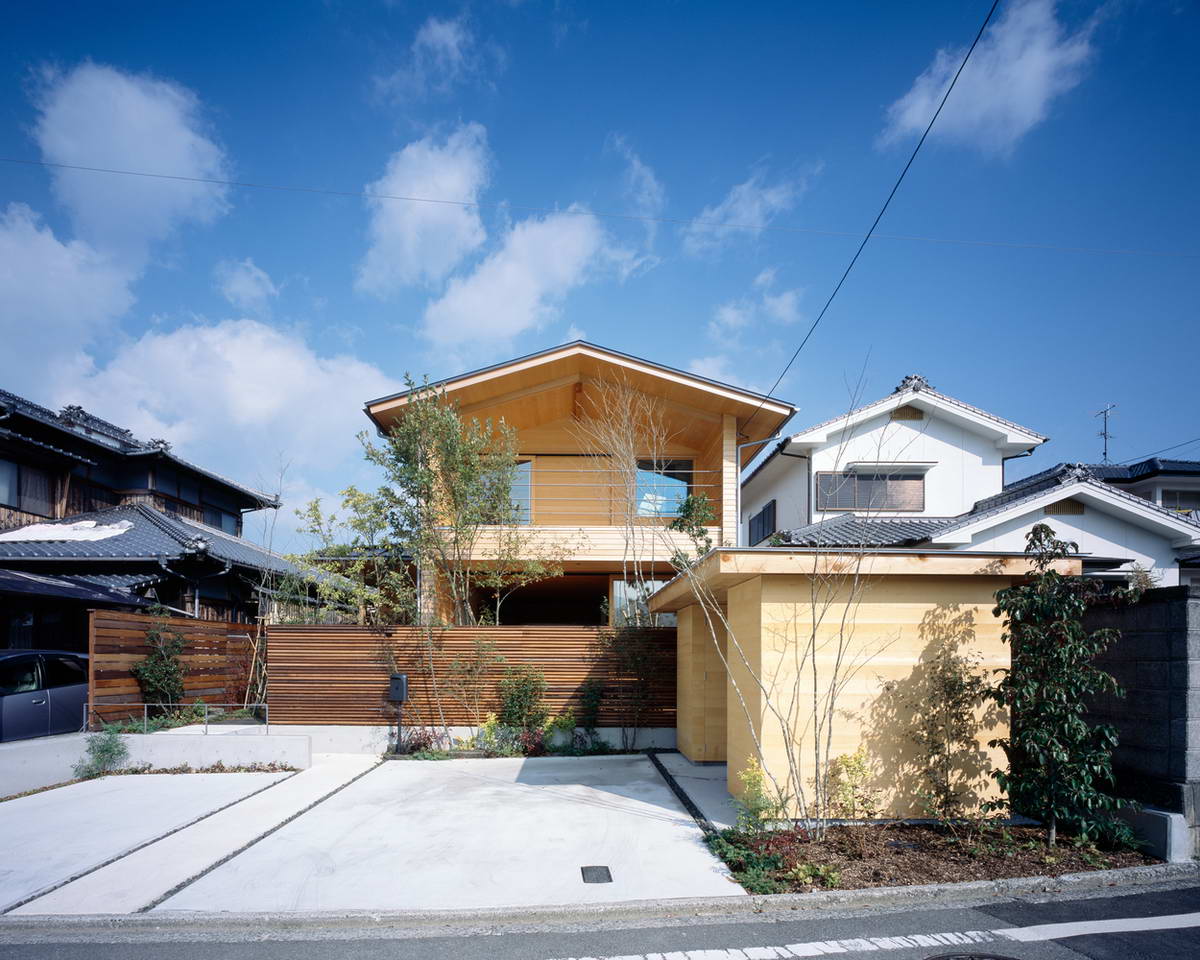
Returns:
<point x="398" y="694"/>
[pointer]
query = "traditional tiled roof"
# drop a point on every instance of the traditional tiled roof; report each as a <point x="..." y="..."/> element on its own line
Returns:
<point x="65" y="587"/>
<point x="915" y="384"/>
<point x="853" y="530"/>
<point x="151" y="536"/>
<point x="89" y="428"/>
<point x="849" y="530"/>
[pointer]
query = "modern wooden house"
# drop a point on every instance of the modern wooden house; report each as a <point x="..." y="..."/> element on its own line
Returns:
<point x="568" y="484"/>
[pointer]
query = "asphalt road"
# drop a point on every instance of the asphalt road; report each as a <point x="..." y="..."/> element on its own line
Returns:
<point x="1102" y="928"/>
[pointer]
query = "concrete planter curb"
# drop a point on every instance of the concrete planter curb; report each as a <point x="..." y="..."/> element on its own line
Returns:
<point x="632" y="913"/>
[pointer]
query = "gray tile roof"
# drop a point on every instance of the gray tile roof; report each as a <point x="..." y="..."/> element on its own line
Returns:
<point x="853" y="530"/>
<point x="153" y="535"/>
<point x="849" y="530"/>
<point x="915" y="385"/>
<point x="65" y="587"/>
<point x="97" y="431"/>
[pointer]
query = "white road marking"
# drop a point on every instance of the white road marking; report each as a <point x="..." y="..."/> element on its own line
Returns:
<point x="1083" y="928"/>
<point x="821" y="948"/>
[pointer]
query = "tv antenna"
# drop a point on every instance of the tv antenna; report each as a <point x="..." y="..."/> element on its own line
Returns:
<point x="1104" y="433"/>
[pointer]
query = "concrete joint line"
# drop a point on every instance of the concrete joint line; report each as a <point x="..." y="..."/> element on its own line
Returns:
<point x="246" y="846"/>
<point x="681" y="795"/>
<point x="141" y="846"/>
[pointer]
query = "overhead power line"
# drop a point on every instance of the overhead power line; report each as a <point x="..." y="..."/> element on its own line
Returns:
<point x="1155" y="453"/>
<point x="879" y="216"/>
<point x="632" y="217"/>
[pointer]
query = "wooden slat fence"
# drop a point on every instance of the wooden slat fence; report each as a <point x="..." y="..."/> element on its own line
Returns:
<point x="339" y="674"/>
<point x="216" y="660"/>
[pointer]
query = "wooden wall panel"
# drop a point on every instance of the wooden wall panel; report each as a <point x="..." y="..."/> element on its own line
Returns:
<point x="339" y="674"/>
<point x="216" y="659"/>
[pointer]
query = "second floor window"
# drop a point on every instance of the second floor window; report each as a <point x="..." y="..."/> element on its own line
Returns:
<point x="522" y="491"/>
<point x="1184" y="501"/>
<point x="662" y="485"/>
<point x="870" y="491"/>
<point x="26" y="488"/>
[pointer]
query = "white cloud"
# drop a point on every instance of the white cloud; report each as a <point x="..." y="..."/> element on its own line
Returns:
<point x="1021" y="65"/>
<point x="733" y="316"/>
<point x="55" y="298"/>
<point x="445" y="54"/>
<point x="720" y="368"/>
<point x="423" y="242"/>
<point x="643" y="191"/>
<point x="245" y="285"/>
<point x="98" y="116"/>
<point x="519" y="286"/>
<point x="746" y="209"/>
<point x="576" y="333"/>
<point x="238" y="396"/>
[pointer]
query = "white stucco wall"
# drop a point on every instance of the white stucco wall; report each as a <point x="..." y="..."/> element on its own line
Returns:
<point x="968" y="467"/>
<point x="1098" y="533"/>
<point x="784" y="480"/>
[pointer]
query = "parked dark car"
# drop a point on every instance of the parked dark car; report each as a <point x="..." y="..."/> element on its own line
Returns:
<point x="42" y="692"/>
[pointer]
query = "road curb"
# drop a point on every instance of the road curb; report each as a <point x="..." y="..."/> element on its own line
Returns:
<point x="372" y="924"/>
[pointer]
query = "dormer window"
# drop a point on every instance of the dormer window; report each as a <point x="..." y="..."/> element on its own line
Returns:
<point x="866" y="491"/>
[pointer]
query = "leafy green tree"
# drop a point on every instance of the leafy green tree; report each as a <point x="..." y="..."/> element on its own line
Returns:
<point x="1059" y="763"/>
<point x="160" y="673"/>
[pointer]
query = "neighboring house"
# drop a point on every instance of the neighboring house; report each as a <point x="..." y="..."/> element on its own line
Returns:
<point x="90" y="516"/>
<point x="921" y="469"/>
<point x="130" y="552"/>
<point x="567" y="485"/>
<point x="56" y="465"/>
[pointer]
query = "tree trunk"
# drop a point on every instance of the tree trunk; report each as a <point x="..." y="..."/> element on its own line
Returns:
<point x="1052" y="834"/>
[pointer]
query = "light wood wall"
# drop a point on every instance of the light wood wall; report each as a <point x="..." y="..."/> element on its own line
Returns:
<point x="894" y="628"/>
<point x="701" y="685"/>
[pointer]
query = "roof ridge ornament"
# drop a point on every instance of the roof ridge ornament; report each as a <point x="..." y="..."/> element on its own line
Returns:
<point x="1074" y="472"/>
<point x="914" y="381"/>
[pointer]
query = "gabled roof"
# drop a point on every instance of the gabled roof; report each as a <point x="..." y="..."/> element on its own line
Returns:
<point x="913" y="390"/>
<point x="561" y="368"/>
<point x="151" y="536"/>
<point x="97" y="432"/>
<point x="1063" y="482"/>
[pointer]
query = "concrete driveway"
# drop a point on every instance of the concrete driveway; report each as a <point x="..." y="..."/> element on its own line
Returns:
<point x="472" y="833"/>
<point x="50" y="837"/>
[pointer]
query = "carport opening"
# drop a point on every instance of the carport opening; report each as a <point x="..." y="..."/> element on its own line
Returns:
<point x="574" y="599"/>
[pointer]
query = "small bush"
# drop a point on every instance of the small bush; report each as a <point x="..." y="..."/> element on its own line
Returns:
<point x="497" y="739"/>
<point x="160" y="674"/>
<point x="850" y="797"/>
<point x="418" y="740"/>
<point x="756" y="808"/>
<point x="104" y="753"/>
<point x="522" y="691"/>
<point x="532" y="743"/>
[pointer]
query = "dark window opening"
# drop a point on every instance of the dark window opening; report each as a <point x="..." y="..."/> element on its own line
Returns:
<point x="762" y="524"/>
<point x="26" y="488"/>
<point x="870" y="491"/>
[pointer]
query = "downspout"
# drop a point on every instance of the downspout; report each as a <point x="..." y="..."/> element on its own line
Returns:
<point x="1004" y="464"/>
<point x="737" y="502"/>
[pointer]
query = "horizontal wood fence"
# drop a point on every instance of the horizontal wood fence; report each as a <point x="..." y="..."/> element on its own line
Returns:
<point x="215" y="658"/>
<point x="339" y="674"/>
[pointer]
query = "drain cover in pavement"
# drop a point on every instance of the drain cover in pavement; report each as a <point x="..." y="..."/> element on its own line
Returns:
<point x="596" y="875"/>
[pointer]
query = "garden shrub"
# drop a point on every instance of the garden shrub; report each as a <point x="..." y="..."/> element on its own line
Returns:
<point x="104" y="752"/>
<point x="160" y="673"/>
<point x="756" y="808"/>
<point x="847" y="787"/>
<point x="522" y="691"/>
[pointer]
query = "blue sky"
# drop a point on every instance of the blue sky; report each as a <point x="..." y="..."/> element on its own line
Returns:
<point x="248" y="326"/>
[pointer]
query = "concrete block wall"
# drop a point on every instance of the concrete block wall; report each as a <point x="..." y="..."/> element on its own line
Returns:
<point x="1157" y="662"/>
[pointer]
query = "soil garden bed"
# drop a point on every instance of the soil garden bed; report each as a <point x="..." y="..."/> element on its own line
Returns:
<point x="858" y="856"/>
